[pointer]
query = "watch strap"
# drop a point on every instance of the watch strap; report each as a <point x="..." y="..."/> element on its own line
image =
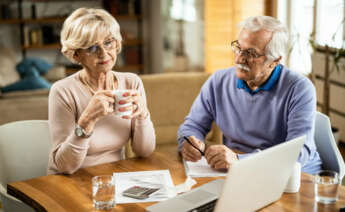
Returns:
<point x="83" y="132"/>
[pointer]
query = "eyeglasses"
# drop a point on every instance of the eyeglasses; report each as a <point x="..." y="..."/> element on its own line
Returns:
<point x="96" y="49"/>
<point x="248" y="53"/>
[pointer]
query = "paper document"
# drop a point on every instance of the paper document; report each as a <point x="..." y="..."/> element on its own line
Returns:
<point x="152" y="179"/>
<point x="201" y="169"/>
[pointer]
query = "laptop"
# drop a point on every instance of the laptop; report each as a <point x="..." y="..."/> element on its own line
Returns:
<point x="250" y="184"/>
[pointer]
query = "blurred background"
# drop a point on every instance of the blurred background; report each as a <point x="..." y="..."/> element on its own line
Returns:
<point x="163" y="36"/>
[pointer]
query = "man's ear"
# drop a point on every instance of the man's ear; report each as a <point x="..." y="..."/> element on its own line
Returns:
<point x="275" y="62"/>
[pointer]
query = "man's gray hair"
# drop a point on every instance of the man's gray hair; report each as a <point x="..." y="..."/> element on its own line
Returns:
<point x="280" y="38"/>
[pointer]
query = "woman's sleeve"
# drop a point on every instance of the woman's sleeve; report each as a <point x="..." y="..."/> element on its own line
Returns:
<point x="68" y="151"/>
<point x="143" y="133"/>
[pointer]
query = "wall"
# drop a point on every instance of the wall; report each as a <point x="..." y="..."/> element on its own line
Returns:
<point x="221" y="20"/>
<point x="337" y="90"/>
<point x="153" y="49"/>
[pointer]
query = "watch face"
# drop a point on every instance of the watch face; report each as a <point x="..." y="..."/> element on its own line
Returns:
<point x="79" y="132"/>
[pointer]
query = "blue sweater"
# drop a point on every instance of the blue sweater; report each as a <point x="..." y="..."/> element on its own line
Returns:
<point x="283" y="108"/>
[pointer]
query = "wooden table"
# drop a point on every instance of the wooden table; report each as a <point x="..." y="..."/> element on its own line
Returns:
<point x="73" y="192"/>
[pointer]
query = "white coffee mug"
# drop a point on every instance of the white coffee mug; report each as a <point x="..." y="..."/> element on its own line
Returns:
<point x="118" y="94"/>
<point x="294" y="182"/>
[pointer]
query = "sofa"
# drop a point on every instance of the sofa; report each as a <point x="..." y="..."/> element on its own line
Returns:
<point x="169" y="98"/>
<point x="28" y="103"/>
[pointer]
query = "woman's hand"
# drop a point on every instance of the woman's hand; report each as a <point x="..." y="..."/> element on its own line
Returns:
<point x="138" y="105"/>
<point x="101" y="104"/>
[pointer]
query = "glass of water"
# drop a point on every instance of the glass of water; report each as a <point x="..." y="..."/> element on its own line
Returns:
<point x="103" y="192"/>
<point x="326" y="186"/>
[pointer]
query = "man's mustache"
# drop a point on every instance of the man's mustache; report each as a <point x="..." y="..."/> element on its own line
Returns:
<point x="243" y="67"/>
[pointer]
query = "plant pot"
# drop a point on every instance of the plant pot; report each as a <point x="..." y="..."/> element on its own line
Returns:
<point x="336" y="134"/>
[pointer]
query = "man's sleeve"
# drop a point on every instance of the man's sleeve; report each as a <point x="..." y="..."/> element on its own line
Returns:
<point x="199" y="120"/>
<point x="301" y="117"/>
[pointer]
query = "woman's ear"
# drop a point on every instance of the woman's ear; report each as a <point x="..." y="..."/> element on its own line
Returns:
<point x="76" y="56"/>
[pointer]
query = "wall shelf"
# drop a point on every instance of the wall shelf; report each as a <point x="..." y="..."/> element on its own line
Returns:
<point x="40" y="34"/>
<point x="33" y="21"/>
<point x="43" y="46"/>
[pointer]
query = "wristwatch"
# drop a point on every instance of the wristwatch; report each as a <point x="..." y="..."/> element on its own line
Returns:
<point x="80" y="132"/>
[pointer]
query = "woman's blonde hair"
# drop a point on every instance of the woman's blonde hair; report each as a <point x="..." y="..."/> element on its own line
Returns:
<point x="84" y="27"/>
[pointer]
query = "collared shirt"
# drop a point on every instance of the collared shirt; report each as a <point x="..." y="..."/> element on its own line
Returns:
<point x="284" y="108"/>
<point x="270" y="82"/>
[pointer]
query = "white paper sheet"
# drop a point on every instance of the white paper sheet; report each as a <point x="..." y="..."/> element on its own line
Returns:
<point x="201" y="169"/>
<point x="151" y="179"/>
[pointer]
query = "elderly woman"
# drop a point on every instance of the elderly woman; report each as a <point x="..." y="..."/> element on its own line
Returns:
<point x="84" y="128"/>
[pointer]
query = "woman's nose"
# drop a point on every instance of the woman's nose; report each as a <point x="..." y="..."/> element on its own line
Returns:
<point x="101" y="51"/>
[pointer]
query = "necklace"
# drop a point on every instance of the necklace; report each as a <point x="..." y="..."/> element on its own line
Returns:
<point x="89" y="86"/>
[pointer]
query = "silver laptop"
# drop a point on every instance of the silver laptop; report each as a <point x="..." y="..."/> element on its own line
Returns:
<point x="251" y="183"/>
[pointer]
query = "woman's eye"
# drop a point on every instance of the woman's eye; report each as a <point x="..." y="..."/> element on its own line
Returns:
<point x="92" y="48"/>
<point x="107" y="43"/>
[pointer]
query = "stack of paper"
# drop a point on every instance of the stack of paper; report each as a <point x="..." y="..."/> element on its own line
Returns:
<point x="152" y="179"/>
<point x="201" y="169"/>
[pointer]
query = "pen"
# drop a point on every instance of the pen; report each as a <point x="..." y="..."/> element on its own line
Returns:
<point x="201" y="152"/>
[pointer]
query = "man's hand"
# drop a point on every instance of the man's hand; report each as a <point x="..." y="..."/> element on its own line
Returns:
<point x="220" y="156"/>
<point x="191" y="153"/>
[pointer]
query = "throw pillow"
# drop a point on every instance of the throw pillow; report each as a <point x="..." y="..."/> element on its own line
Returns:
<point x="28" y="83"/>
<point x="8" y="73"/>
<point x="25" y="66"/>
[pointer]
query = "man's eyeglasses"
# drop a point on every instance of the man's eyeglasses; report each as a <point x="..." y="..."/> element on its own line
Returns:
<point x="248" y="53"/>
<point x="96" y="49"/>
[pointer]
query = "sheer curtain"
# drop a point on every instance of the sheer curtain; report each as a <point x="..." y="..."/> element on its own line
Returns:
<point x="300" y="17"/>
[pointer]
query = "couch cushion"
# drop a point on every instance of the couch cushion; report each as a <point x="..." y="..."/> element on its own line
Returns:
<point x="27" y="83"/>
<point x="8" y="73"/>
<point x="56" y="73"/>
<point x="169" y="98"/>
<point x="26" y="94"/>
<point x="27" y="108"/>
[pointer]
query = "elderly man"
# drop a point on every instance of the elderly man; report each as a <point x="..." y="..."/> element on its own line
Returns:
<point x="257" y="104"/>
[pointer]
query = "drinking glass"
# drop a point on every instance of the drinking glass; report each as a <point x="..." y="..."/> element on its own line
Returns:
<point x="326" y="186"/>
<point x="103" y="192"/>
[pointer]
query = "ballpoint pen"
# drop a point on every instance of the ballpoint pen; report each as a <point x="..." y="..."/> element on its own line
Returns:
<point x="186" y="138"/>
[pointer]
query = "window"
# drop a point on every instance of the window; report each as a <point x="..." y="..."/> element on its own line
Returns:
<point x="330" y="23"/>
<point x="299" y="17"/>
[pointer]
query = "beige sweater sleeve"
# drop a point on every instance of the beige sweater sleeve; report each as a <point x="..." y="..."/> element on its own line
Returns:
<point x="68" y="151"/>
<point x="143" y="134"/>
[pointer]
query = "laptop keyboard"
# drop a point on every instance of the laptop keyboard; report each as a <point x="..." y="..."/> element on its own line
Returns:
<point x="208" y="207"/>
